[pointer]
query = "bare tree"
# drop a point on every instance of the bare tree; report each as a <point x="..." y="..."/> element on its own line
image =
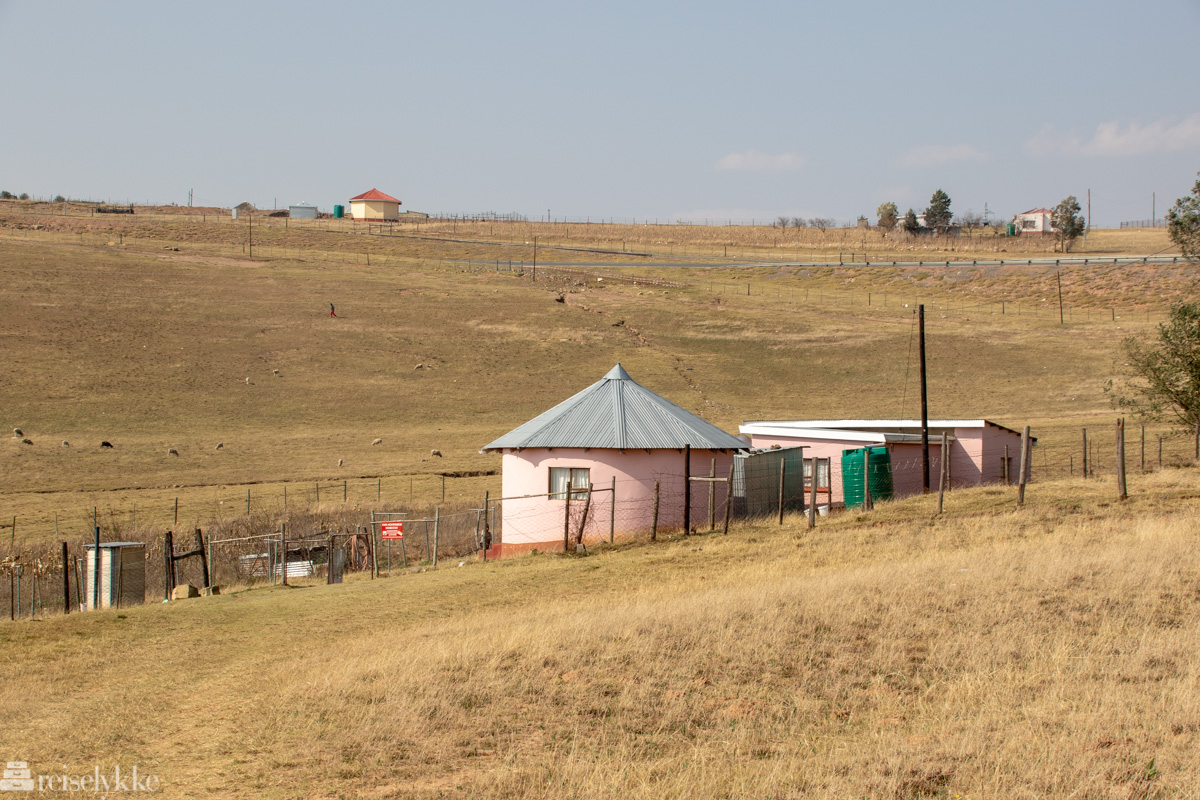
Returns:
<point x="821" y="223"/>
<point x="782" y="221"/>
<point x="970" y="220"/>
<point x="799" y="222"/>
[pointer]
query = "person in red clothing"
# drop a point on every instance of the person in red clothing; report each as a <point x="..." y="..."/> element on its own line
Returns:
<point x="331" y="312"/>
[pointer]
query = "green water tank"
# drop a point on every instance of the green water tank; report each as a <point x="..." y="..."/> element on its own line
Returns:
<point x="1010" y="229"/>
<point x="878" y="463"/>
<point x="339" y="212"/>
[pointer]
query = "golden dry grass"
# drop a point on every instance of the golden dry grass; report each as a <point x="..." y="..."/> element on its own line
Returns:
<point x="1042" y="653"/>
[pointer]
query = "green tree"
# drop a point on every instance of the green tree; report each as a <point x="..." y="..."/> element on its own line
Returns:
<point x="910" y="221"/>
<point x="1183" y="223"/>
<point x="887" y="214"/>
<point x="7" y="195"/>
<point x="1067" y="222"/>
<point x="938" y="215"/>
<point x="1159" y="378"/>
<point x="24" y="196"/>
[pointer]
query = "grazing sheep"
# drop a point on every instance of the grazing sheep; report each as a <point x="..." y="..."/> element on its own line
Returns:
<point x="339" y="462"/>
<point x="275" y="371"/>
<point x="66" y="443"/>
<point x="26" y="441"/>
<point x="106" y="444"/>
<point x="437" y="453"/>
<point x="247" y="381"/>
<point x="171" y="451"/>
<point x="220" y="445"/>
<point x="377" y="441"/>
<point x="18" y="433"/>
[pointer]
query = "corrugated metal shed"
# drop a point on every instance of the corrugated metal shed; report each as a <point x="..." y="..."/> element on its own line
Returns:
<point x="617" y="413"/>
<point x="302" y="211"/>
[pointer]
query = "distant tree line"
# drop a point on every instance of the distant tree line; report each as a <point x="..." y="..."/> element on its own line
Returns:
<point x="7" y="195"/>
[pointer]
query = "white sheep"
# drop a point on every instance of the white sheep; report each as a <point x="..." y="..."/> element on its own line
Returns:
<point x="377" y="441"/>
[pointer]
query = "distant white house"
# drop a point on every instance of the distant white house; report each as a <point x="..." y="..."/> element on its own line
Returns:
<point x="1035" y="220"/>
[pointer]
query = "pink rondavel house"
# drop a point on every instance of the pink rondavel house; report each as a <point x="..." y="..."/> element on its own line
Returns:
<point x="615" y="435"/>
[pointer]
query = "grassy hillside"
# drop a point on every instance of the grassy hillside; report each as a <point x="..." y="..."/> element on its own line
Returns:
<point x="154" y="332"/>
<point x="1045" y="652"/>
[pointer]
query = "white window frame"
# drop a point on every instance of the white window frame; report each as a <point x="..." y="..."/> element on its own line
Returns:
<point x="578" y="478"/>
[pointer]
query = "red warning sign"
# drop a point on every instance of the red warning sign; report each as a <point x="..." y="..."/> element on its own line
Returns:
<point x="391" y="530"/>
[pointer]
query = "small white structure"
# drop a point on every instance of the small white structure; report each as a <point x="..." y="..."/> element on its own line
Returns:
<point x="122" y="575"/>
<point x="1035" y="220"/>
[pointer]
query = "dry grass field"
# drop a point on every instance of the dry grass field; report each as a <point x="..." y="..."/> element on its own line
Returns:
<point x="991" y="653"/>
<point x="1045" y="652"/>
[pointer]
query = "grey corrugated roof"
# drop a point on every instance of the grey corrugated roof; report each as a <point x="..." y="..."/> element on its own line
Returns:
<point x="617" y="413"/>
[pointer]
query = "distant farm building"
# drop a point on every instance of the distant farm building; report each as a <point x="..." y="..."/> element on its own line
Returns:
<point x="1035" y="220"/>
<point x="980" y="451"/>
<point x="375" y="206"/>
<point x="302" y="211"/>
<point x="614" y="436"/>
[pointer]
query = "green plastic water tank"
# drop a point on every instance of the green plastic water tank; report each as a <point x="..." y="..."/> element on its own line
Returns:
<point x="339" y="212"/>
<point x="1010" y="229"/>
<point x="878" y="463"/>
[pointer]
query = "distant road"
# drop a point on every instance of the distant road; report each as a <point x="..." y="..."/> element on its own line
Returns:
<point x="1072" y="261"/>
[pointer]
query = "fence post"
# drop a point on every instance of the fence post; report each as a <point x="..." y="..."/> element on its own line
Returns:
<point x="1024" y="466"/>
<point x="1122" y="494"/>
<point x="283" y="553"/>
<point x="487" y="533"/>
<point x="203" y="558"/>
<point x="942" y="472"/>
<point x="1143" y="448"/>
<point x="247" y="502"/>
<point x="567" y="517"/>
<point x="587" y="505"/>
<point x="687" y="490"/>
<point x="654" y="519"/>
<point x="612" y="511"/>
<point x="1197" y="441"/>
<point x="1085" y="453"/>
<point x="782" y="469"/>
<point x="317" y="484"/>
<point x="345" y="490"/>
<point x="437" y="516"/>
<point x="814" y="467"/>
<point x="66" y="582"/>
<point x="728" y="498"/>
<point x="1160" y="451"/>
<point x="168" y="566"/>
<point x="712" y="496"/>
<point x="1007" y="477"/>
<point x="868" y="501"/>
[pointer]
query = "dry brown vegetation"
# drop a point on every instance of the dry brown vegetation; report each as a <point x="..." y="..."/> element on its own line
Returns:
<point x="1045" y="652"/>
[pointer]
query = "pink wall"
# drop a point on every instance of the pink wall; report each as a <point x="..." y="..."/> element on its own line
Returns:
<point x="537" y="522"/>
<point x="976" y="458"/>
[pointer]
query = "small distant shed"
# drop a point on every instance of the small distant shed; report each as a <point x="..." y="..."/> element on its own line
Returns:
<point x="302" y="211"/>
<point x="122" y="575"/>
<point x="375" y="206"/>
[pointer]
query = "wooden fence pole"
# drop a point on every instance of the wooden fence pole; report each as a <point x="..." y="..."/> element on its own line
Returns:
<point x="487" y="529"/>
<point x="1085" y="453"/>
<point x="66" y="581"/>
<point x="1160" y="451"/>
<point x="1143" y="448"/>
<point x="1122" y="494"/>
<point x="712" y="496"/>
<point x="654" y="519"/>
<point x="587" y="505"/>
<point x="1007" y="477"/>
<point x="687" y="490"/>
<point x="437" y="523"/>
<point x="283" y="553"/>
<point x="942" y="472"/>
<point x="168" y="565"/>
<point x="612" y="511"/>
<point x="782" y="469"/>
<point x="1024" y="466"/>
<point x="728" y="498"/>
<point x="812" y="505"/>
<point x="203" y="559"/>
<point x="1197" y="442"/>
<point x="567" y="517"/>
<point x="868" y="503"/>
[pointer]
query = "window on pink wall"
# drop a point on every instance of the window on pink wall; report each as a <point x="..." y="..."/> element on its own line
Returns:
<point x="578" y="478"/>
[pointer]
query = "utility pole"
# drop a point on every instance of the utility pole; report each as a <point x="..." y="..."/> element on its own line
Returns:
<point x="1153" y="207"/>
<point x="251" y="218"/>
<point x="924" y="403"/>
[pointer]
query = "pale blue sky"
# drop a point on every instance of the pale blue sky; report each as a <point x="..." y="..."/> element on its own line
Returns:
<point x="647" y="109"/>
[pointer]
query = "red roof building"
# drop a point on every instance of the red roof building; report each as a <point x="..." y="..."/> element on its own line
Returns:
<point x="374" y="206"/>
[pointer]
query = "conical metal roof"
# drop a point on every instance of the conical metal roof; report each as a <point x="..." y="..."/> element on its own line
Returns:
<point x="617" y="413"/>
